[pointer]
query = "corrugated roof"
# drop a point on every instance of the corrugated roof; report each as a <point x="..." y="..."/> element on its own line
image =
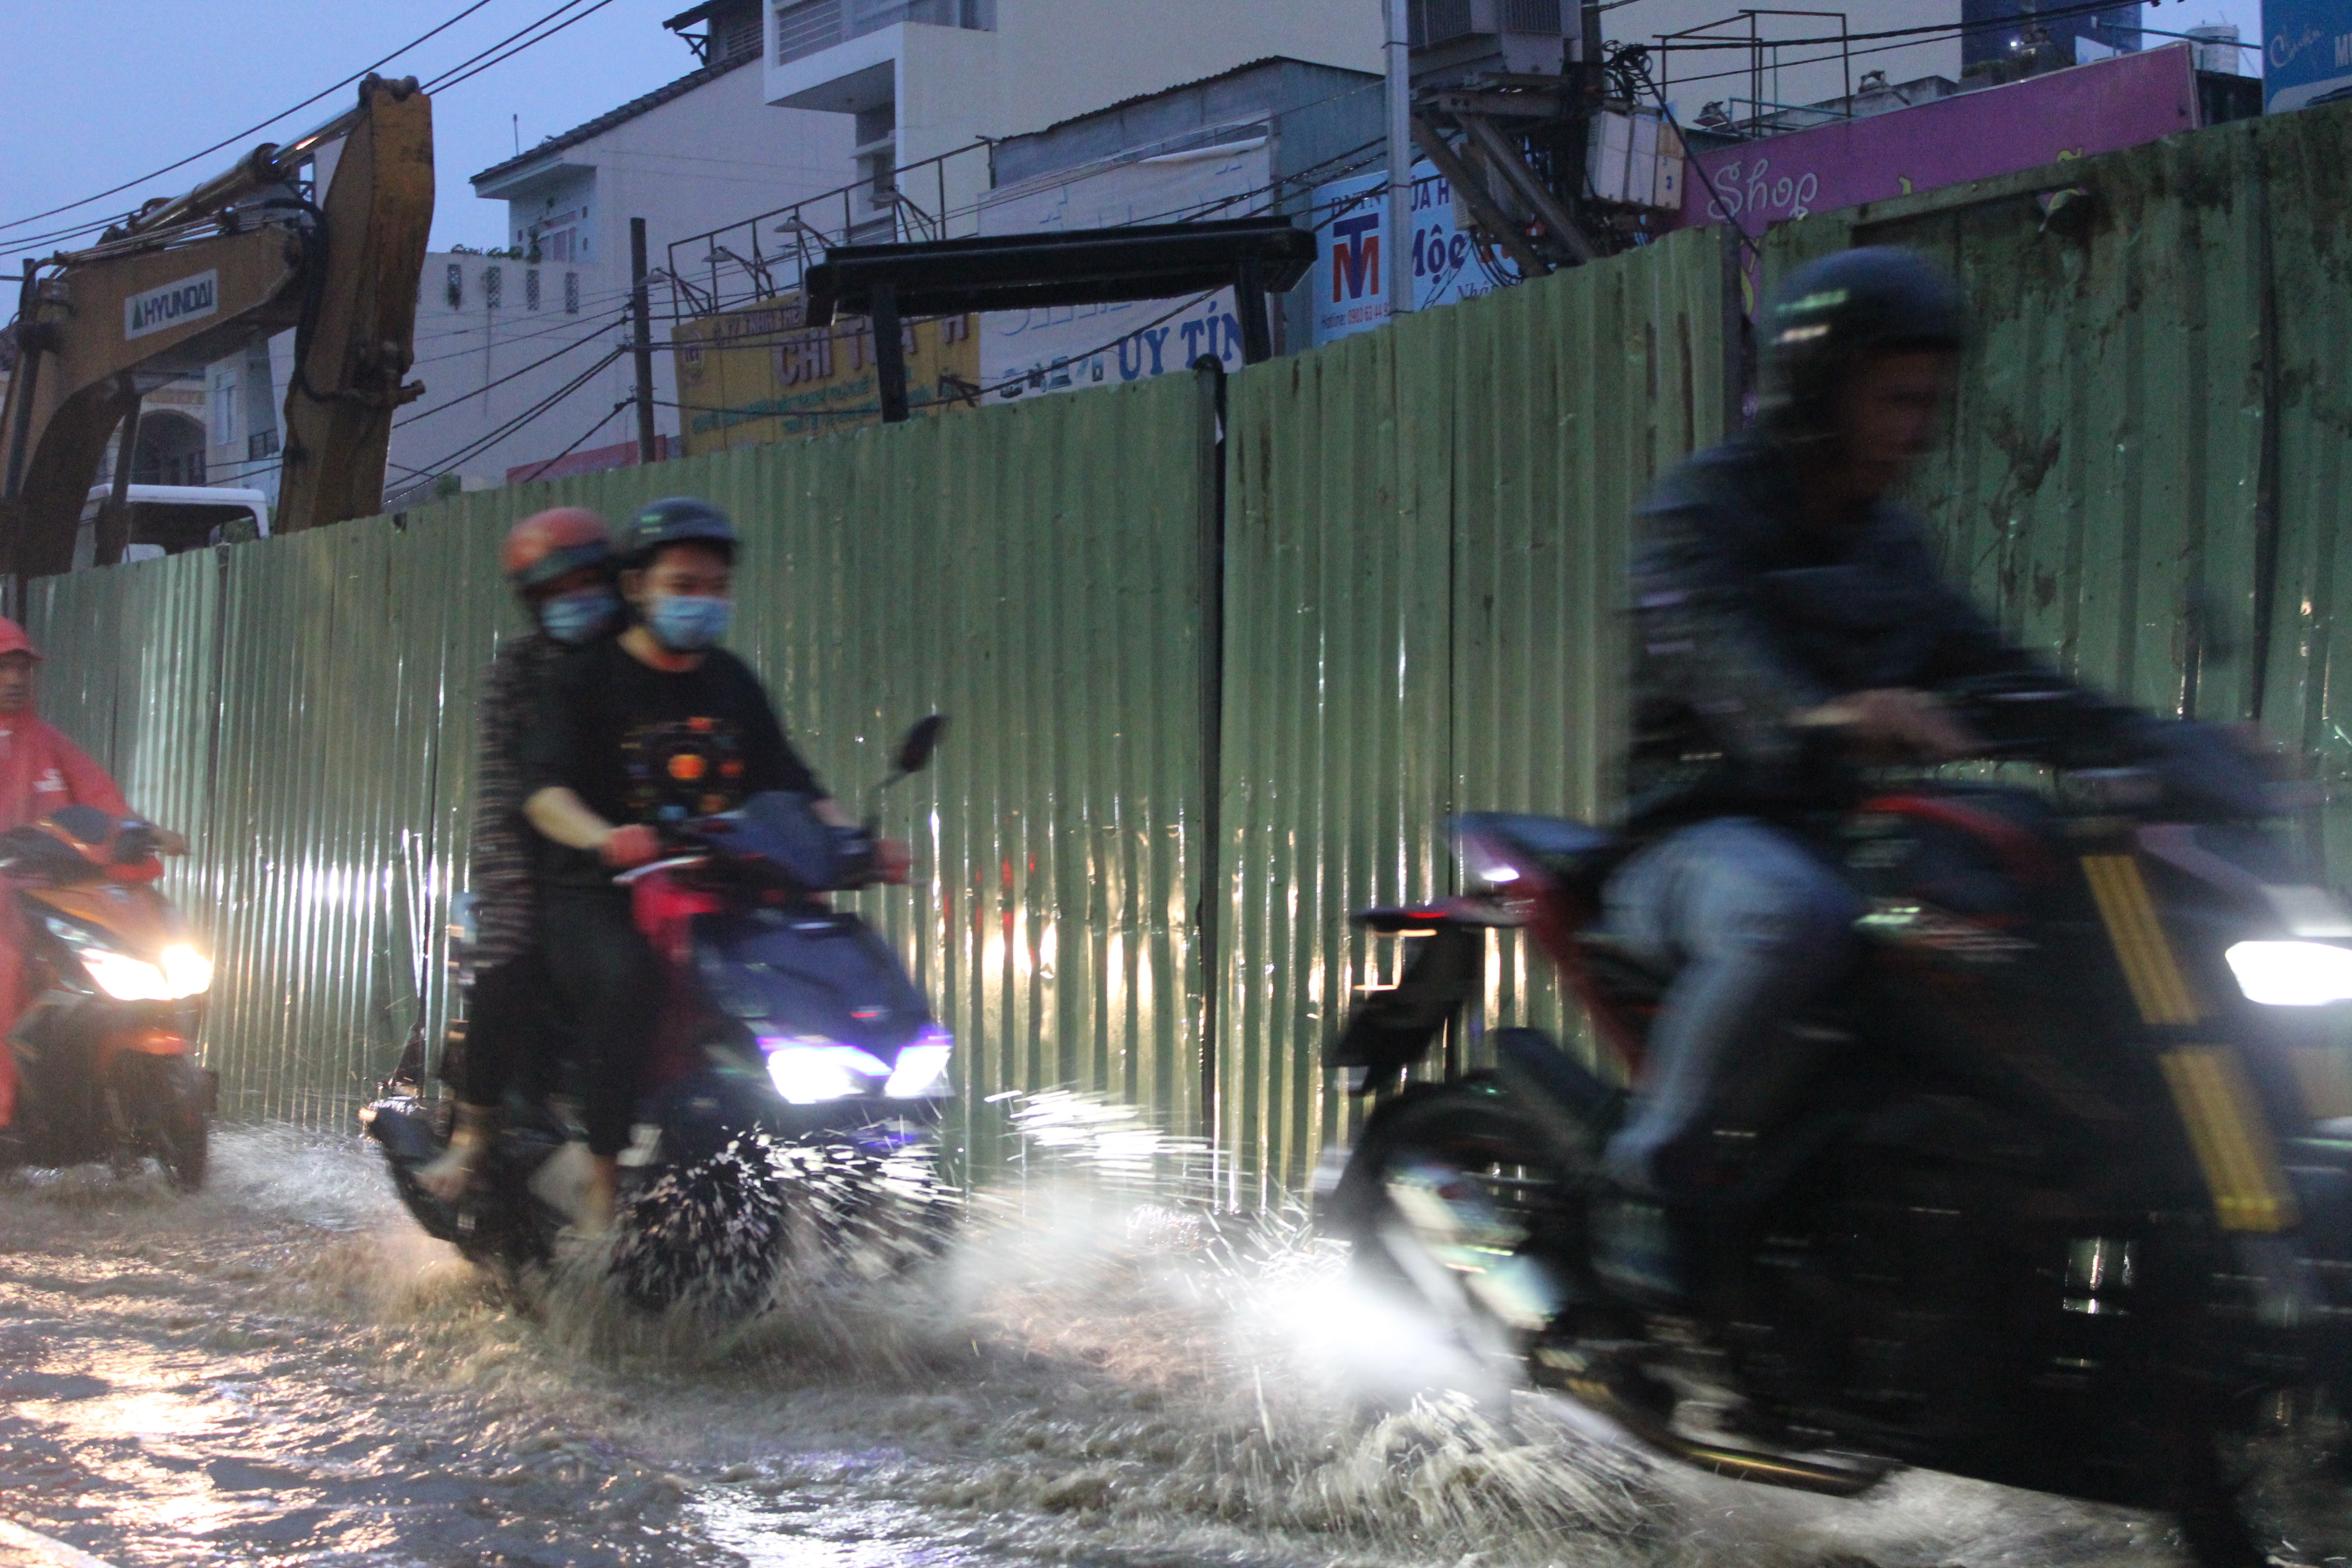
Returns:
<point x="1259" y="63"/>
<point x="620" y="116"/>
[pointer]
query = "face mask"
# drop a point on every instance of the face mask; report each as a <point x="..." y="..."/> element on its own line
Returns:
<point x="687" y="625"/>
<point x="580" y="617"/>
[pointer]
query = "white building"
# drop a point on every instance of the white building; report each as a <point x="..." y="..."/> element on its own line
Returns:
<point x="499" y="335"/>
<point x="922" y="79"/>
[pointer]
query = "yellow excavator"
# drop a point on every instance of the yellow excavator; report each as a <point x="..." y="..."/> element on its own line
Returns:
<point x="194" y="279"/>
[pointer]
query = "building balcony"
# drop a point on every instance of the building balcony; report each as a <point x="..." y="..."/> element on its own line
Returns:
<point x="839" y="54"/>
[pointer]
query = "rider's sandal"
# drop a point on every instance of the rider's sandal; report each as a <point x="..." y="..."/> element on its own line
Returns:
<point x="447" y="1176"/>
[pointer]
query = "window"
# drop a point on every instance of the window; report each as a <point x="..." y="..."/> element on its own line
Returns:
<point x="571" y="293"/>
<point x="493" y="286"/>
<point x="531" y="289"/>
<point x="259" y="445"/>
<point x="803" y="30"/>
<point x="225" y="420"/>
<point x="457" y="287"/>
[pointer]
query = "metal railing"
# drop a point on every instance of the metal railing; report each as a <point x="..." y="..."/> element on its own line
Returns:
<point x="763" y="256"/>
<point x="813" y="27"/>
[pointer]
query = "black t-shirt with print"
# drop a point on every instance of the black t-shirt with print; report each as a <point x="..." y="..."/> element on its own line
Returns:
<point x="639" y="744"/>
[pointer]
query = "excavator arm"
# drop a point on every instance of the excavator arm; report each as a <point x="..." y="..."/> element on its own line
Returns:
<point x="195" y="280"/>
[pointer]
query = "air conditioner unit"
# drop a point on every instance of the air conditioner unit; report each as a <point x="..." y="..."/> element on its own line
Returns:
<point x="1527" y="33"/>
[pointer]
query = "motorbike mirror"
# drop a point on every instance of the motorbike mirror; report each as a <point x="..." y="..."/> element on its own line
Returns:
<point x="915" y="750"/>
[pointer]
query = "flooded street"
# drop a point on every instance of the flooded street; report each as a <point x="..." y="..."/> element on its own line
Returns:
<point x="282" y="1371"/>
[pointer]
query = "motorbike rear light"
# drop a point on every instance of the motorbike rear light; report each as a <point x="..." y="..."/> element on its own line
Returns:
<point x="2292" y="974"/>
<point x="811" y="1073"/>
<point x="922" y="1070"/>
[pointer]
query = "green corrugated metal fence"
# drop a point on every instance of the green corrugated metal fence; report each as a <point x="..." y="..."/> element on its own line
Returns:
<point x="1407" y="605"/>
<point x="303" y="708"/>
<point x="2146" y="472"/>
<point x="1423" y="569"/>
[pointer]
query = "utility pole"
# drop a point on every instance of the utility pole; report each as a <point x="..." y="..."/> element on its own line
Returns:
<point x="641" y="306"/>
<point x="1399" y="105"/>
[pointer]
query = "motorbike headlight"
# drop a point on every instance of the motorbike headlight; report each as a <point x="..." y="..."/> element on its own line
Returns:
<point x="188" y="971"/>
<point x="125" y="978"/>
<point x="922" y="1070"/>
<point x="811" y="1073"/>
<point x="2292" y="974"/>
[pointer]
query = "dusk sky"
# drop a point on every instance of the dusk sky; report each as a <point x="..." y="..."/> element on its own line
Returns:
<point x="75" y="68"/>
<point x="206" y="72"/>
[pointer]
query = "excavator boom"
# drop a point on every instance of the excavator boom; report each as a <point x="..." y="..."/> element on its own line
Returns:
<point x="195" y="279"/>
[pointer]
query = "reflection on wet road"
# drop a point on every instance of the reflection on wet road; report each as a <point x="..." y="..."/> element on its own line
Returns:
<point x="282" y="1371"/>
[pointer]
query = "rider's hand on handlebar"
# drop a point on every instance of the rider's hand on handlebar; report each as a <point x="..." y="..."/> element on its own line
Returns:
<point x="1895" y="724"/>
<point x="893" y="860"/>
<point x="632" y="846"/>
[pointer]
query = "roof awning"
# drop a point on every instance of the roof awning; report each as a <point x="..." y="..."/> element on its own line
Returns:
<point x="888" y="283"/>
<point x="1077" y="267"/>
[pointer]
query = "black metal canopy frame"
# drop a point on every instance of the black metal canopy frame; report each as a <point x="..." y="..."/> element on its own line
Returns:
<point x="888" y="283"/>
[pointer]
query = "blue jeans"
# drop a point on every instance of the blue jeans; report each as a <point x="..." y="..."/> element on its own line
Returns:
<point x="1753" y="926"/>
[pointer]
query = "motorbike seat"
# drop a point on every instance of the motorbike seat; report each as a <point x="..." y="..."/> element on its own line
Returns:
<point x="1576" y="855"/>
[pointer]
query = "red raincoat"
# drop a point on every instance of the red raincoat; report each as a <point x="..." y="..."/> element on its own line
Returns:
<point x="40" y="772"/>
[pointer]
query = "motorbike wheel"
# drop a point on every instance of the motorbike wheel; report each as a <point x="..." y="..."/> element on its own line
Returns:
<point x="2268" y="1489"/>
<point x="1465" y="1207"/>
<point x="714" y="1235"/>
<point x="163" y="1100"/>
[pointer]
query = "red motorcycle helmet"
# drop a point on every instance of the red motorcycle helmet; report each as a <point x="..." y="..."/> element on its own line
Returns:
<point x="546" y="544"/>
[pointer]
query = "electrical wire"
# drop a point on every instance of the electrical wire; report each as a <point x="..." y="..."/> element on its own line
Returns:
<point x="477" y="448"/>
<point x="261" y="126"/>
<point x="540" y="470"/>
<point x="483" y="389"/>
<point x="451" y="77"/>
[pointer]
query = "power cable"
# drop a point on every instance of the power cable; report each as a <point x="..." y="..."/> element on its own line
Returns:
<point x="451" y="77"/>
<point x="588" y="337"/>
<point x="263" y="125"/>
<point x="540" y="470"/>
<point x="474" y="448"/>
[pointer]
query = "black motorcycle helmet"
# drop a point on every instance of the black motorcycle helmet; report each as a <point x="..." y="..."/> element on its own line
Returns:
<point x="674" y="520"/>
<point x="1830" y="314"/>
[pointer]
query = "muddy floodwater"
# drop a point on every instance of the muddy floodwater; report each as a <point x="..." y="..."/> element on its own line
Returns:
<point x="283" y="1370"/>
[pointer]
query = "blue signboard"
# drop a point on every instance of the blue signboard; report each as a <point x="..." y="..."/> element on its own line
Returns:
<point x="2307" y="53"/>
<point x="1350" y="288"/>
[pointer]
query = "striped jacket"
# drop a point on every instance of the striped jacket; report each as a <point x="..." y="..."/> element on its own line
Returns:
<point x="503" y="854"/>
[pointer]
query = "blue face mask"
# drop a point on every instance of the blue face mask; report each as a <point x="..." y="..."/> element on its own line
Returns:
<point x="687" y="625"/>
<point x="580" y="617"/>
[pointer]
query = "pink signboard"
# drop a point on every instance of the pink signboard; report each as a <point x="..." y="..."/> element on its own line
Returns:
<point x="2072" y="113"/>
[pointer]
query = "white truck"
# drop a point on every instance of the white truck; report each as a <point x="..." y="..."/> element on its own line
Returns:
<point x="166" y="520"/>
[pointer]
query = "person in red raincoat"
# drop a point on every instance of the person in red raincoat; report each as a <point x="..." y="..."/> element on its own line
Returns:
<point x="40" y="772"/>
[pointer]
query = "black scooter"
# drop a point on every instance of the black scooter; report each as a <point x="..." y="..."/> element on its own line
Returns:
<point x="795" y="1096"/>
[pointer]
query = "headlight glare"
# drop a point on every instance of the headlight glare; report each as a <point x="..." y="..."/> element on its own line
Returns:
<point x="922" y="1070"/>
<point x="125" y="978"/>
<point x="188" y="971"/>
<point x="811" y="1073"/>
<point x="2292" y="974"/>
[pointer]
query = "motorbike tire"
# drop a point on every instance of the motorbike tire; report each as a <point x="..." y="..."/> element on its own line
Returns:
<point x="164" y="1100"/>
<point x="2257" y="1491"/>
<point x="1455" y="1175"/>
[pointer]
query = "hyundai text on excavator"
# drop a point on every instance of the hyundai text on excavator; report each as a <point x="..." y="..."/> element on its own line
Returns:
<point x="191" y="279"/>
